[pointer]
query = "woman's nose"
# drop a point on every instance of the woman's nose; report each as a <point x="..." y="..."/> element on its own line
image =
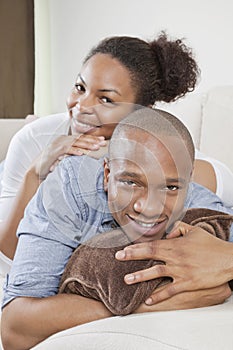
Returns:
<point x="85" y="104"/>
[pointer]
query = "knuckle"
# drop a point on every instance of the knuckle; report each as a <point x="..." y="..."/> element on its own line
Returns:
<point x="159" y="269"/>
<point x="171" y="290"/>
<point x="152" y="248"/>
<point x="129" y="254"/>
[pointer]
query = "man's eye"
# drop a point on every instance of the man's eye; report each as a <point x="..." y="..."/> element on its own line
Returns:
<point x="172" y="188"/>
<point x="128" y="183"/>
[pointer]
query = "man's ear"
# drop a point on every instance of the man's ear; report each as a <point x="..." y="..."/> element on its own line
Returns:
<point x="106" y="173"/>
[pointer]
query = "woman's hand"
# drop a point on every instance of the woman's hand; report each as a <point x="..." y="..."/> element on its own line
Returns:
<point x="195" y="261"/>
<point x="62" y="146"/>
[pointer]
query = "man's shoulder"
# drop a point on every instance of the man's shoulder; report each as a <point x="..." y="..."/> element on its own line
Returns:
<point x="84" y="171"/>
<point x="202" y="197"/>
<point x="82" y="163"/>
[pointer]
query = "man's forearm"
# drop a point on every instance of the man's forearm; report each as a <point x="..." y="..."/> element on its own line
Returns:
<point x="28" y="321"/>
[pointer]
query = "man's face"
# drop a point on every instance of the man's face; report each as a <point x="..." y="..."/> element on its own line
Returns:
<point x="147" y="182"/>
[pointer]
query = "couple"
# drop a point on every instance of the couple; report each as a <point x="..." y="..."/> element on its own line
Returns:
<point x="143" y="187"/>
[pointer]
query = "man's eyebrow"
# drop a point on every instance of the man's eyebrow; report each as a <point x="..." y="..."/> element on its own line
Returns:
<point x="130" y="174"/>
<point x="176" y="179"/>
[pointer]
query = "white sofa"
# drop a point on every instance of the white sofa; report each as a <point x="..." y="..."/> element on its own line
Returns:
<point x="209" y="117"/>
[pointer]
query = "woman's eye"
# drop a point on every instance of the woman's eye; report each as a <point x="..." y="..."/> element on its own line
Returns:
<point x="79" y="88"/>
<point x="106" y="100"/>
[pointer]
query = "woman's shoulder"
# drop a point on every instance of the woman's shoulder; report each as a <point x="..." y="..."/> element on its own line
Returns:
<point x="52" y="123"/>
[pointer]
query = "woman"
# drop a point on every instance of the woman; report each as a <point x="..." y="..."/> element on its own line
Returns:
<point x="117" y="74"/>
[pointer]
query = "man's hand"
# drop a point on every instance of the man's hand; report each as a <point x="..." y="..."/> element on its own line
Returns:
<point x="190" y="300"/>
<point x="195" y="261"/>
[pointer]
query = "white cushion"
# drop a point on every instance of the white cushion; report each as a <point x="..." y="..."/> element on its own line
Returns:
<point x="189" y="110"/>
<point x="217" y="128"/>
<point x="198" y="329"/>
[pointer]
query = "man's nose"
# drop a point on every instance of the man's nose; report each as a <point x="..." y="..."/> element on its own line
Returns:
<point x="150" y="205"/>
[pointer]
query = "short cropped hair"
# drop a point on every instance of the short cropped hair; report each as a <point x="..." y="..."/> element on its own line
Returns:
<point x="157" y="123"/>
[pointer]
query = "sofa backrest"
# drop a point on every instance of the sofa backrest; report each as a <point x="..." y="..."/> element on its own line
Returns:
<point x="217" y="125"/>
<point x="209" y="118"/>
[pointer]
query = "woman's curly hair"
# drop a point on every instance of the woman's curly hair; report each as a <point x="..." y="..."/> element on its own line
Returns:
<point x="161" y="70"/>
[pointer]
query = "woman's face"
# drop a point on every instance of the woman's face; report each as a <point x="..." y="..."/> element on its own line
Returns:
<point x="102" y="96"/>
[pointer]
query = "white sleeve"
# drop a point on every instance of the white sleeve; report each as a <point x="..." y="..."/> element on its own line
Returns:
<point x="24" y="147"/>
<point x="224" y="178"/>
<point x="18" y="159"/>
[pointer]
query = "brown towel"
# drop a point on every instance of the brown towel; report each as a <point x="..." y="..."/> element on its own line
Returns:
<point x="93" y="271"/>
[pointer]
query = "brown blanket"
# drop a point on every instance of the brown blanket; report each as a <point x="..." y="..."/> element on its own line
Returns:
<point x="93" y="271"/>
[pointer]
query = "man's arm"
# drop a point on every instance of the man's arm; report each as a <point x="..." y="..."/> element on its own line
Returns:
<point x="28" y="321"/>
<point x="197" y="261"/>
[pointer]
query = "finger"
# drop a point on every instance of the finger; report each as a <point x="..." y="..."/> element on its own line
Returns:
<point x="167" y="292"/>
<point x="153" y="272"/>
<point x="89" y="140"/>
<point x="157" y="250"/>
<point x="180" y="229"/>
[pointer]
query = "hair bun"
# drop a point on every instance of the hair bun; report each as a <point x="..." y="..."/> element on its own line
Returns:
<point x="178" y="69"/>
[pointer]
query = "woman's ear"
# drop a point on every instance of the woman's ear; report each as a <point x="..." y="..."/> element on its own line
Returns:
<point x="106" y="174"/>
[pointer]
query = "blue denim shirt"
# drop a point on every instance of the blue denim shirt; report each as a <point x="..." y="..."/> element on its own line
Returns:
<point x="69" y="207"/>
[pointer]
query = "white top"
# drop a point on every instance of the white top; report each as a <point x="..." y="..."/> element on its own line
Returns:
<point x="24" y="147"/>
<point x="28" y="143"/>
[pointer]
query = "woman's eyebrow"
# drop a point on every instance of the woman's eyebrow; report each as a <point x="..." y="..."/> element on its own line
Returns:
<point x="81" y="78"/>
<point x="110" y="90"/>
<point x="100" y="90"/>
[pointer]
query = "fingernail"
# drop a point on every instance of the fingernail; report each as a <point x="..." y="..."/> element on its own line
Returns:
<point x="120" y="254"/>
<point x="129" y="278"/>
<point x="148" y="301"/>
<point x="103" y="143"/>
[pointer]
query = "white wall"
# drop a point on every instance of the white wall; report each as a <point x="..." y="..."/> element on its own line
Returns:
<point x="71" y="27"/>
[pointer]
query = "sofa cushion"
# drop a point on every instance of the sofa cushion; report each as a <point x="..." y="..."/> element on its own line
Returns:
<point x="189" y="110"/>
<point x="217" y="124"/>
<point x="207" y="328"/>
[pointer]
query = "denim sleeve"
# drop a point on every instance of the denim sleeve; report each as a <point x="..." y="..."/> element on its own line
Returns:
<point x="47" y="237"/>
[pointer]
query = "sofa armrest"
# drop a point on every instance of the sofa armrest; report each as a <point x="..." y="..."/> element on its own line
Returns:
<point x="8" y="127"/>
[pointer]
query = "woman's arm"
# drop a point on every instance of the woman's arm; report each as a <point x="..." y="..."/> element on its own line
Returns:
<point x="28" y="321"/>
<point x="214" y="175"/>
<point x="8" y="239"/>
<point x="204" y="174"/>
<point x="37" y="172"/>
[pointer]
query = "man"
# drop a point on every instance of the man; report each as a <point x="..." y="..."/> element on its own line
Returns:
<point x="143" y="189"/>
